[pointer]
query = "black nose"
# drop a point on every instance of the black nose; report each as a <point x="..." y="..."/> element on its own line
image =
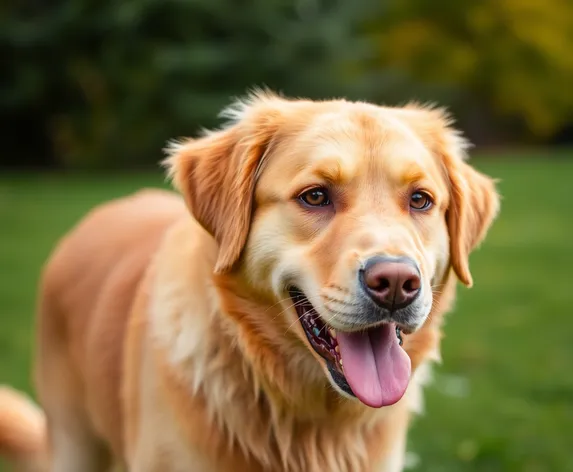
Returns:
<point x="392" y="283"/>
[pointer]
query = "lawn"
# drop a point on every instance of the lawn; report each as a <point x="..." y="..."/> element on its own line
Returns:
<point x="503" y="398"/>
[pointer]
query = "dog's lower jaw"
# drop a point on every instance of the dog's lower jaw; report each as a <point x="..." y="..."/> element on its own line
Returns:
<point x="340" y="384"/>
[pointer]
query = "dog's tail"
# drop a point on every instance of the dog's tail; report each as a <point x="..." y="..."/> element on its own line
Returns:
<point x="23" y="439"/>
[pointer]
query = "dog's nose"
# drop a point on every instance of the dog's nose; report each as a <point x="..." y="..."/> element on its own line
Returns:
<point x="392" y="283"/>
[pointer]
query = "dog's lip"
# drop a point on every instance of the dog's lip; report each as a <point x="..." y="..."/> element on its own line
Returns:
<point x="320" y="335"/>
<point x="297" y="294"/>
<point x="329" y="332"/>
<point x="404" y="329"/>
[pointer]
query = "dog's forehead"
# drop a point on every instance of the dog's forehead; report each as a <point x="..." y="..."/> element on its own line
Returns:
<point x="355" y="140"/>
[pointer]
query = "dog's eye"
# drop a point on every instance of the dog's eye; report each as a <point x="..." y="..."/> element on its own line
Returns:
<point x="315" y="197"/>
<point x="420" y="201"/>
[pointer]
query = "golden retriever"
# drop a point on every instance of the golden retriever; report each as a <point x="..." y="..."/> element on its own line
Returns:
<point x="285" y="325"/>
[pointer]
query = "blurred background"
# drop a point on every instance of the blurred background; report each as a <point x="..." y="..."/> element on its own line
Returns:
<point x="90" y="91"/>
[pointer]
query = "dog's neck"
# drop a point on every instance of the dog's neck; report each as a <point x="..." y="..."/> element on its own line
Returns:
<point x="277" y="410"/>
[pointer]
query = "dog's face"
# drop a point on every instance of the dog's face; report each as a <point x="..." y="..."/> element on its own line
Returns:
<point x="350" y="216"/>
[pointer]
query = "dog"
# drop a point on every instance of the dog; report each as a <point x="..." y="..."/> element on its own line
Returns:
<point x="281" y="314"/>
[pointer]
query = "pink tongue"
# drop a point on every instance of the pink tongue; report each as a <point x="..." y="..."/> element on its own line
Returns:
<point x="375" y="366"/>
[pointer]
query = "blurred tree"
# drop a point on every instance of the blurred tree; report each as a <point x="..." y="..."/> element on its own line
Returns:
<point x="111" y="81"/>
<point x="509" y="58"/>
<point x="105" y="83"/>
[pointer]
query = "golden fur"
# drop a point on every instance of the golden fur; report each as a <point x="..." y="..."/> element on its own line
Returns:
<point x="168" y="343"/>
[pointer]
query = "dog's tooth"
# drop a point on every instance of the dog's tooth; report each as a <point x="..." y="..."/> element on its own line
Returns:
<point x="332" y="333"/>
<point x="337" y="349"/>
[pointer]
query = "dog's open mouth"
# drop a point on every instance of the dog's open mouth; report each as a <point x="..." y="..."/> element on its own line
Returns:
<point x="368" y="364"/>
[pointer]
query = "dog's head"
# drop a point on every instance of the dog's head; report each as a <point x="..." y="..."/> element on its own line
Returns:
<point x="348" y="215"/>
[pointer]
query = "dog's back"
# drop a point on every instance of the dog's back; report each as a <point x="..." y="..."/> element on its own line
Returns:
<point x="86" y="292"/>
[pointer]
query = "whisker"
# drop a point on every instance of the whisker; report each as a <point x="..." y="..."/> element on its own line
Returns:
<point x="294" y="305"/>
<point x="326" y="323"/>
<point x="337" y="300"/>
<point x="294" y="322"/>
<point x="310" y="300"/>
<point x="277" y="303"/>
<point x="336" y="287"/>
<point x="299" y="317"/>
<point x="438" y="286"/>
<point x="331" y="309"/>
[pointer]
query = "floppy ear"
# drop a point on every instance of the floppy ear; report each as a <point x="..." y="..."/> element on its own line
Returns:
<point x="474" y="204"/>
<point x="474" y="201"/>
<point x="216" y="173"/>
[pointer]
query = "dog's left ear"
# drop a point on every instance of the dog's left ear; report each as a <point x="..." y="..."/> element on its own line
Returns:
<point x="216" y="173"/>
<point x="474" y="203"/>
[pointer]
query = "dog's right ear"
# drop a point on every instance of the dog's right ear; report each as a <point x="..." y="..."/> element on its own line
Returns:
<point x="216" y="173"/>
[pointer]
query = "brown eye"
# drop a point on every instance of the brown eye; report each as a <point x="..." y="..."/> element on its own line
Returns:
<point x="420" y="201"/>
<point x="315" y="197"/>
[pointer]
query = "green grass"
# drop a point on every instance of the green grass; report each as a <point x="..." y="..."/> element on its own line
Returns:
<point x="503" y="399"/>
